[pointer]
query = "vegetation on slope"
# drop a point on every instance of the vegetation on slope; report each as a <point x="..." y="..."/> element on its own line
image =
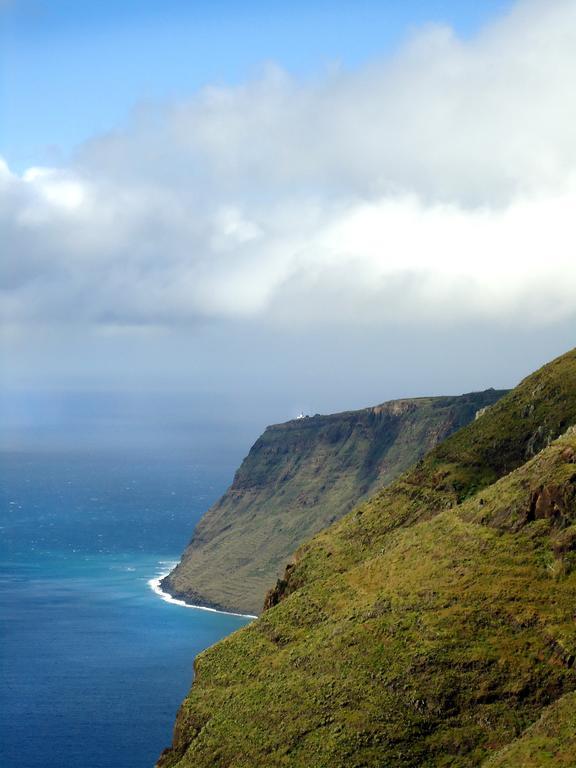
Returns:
<point x="300" y="477"/>
<point x="512" y="431"/>
<point x="549" y="743"/>
<point x="432" y="626"/>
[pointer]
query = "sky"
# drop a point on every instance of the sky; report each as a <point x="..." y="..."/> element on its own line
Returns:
<point x="255" y="209"/>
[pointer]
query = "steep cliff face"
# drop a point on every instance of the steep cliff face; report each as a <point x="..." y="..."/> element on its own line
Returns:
<point x="432" y="626"/>
<point x="300" y="477"/>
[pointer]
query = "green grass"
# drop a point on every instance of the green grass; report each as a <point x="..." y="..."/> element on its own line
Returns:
<point x="549" y="743"/>
<point x="430" y="627"/>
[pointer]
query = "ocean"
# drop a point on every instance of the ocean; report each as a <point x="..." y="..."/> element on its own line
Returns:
<point x="95" y="664"/>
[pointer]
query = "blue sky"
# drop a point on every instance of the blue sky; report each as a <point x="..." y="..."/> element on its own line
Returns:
<point x="72" y="70"/>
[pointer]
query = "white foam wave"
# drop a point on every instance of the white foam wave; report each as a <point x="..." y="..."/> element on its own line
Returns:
<point x="154" y="585"/>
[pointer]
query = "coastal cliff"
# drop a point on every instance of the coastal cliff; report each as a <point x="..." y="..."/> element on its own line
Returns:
<point x="432" y="626"/>
<point x="300" y="477"/>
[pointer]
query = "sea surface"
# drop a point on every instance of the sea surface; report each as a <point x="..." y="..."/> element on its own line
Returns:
<point x="94" y="664"/>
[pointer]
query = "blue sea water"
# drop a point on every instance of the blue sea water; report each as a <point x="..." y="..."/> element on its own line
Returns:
<point x="94" y="664"/>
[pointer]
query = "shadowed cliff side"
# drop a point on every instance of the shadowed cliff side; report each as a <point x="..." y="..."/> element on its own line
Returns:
<point x="300" y="477"/>
<point x="431" y="627"/>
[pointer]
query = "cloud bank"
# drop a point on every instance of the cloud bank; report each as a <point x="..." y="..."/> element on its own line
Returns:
<point x="436" y="186"/>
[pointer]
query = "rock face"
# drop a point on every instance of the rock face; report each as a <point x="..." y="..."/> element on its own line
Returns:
<point x="433" y="625"/>
<point x="300" y="477"/>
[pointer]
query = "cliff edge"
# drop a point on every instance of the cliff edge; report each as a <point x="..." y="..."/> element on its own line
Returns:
<point x="300" y="477"/>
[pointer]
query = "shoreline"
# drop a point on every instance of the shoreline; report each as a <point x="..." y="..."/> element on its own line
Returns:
<point x="154" y="585"/>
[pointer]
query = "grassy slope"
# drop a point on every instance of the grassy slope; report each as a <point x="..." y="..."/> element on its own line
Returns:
<point x="430" y="627"/>
<point x="299" y="478"/>
<point x="549" y="743"/>
<point x="513" y="430"/>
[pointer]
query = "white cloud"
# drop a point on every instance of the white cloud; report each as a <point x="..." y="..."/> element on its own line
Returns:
<point x="55" y="187"/>
<point x="438" y="186"/>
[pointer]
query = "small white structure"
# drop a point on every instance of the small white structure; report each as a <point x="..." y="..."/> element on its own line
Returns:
<point x="301" y="415"/>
